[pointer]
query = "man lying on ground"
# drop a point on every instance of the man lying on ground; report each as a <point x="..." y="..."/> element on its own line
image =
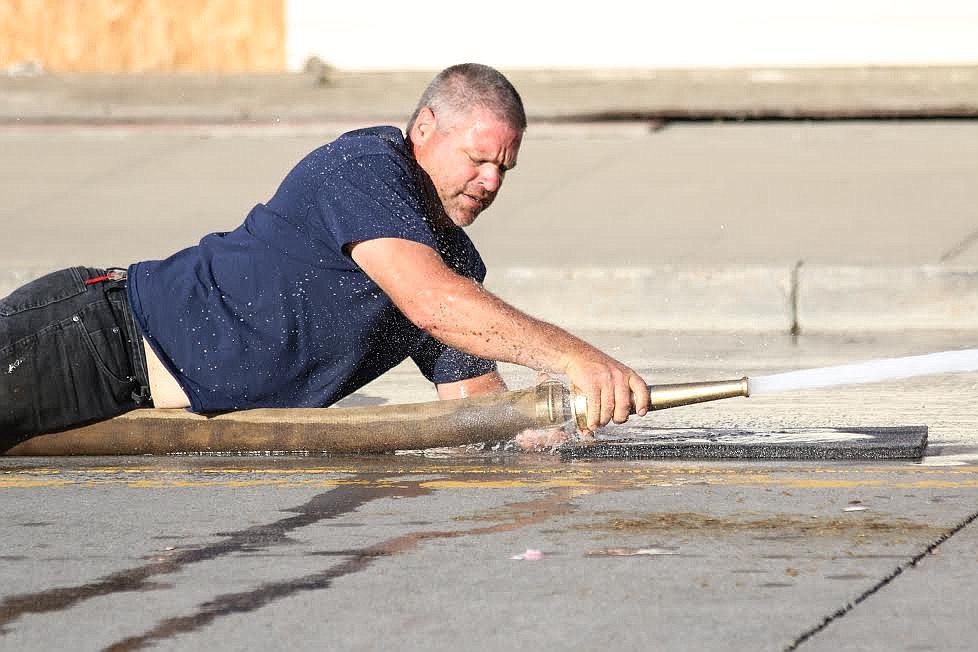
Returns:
<point x="357" y="262"/>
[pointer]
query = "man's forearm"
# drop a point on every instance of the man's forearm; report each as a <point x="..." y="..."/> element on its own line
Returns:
<point x="468" y="317"/>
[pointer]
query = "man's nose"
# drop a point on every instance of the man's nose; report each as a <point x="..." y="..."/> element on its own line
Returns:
<point x="490" y="178"/>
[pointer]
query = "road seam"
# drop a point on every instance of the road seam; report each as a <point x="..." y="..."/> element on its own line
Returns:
<point x="960" y="247"/>
<point x="849" y="606"/>
<point x="795" y="329"/>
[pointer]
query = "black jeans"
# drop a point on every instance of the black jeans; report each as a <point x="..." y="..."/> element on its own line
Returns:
<point x="70" y="354"/>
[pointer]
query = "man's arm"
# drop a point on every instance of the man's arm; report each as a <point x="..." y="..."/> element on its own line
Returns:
<point x="461" y="313"/>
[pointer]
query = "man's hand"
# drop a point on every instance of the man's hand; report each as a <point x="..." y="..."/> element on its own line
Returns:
<point x="611" y="388"/>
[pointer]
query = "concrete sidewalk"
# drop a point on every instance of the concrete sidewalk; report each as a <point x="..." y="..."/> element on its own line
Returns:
<point x="549" y="95"/>
<point x="795" y="226"/>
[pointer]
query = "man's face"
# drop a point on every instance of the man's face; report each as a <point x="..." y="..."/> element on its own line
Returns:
<point x="466" y="159"/>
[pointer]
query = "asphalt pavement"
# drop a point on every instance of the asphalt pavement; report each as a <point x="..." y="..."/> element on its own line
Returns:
<point x="693" y="250"/>
<point x="415" y="551"/>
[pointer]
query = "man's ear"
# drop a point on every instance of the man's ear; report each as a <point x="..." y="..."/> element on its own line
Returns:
<point x="424" y="126"/>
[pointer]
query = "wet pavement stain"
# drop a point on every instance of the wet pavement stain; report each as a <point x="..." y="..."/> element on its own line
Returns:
<point x="555" y="503"/>
<point x="783" y="526"/>
<point x="331" y="504"/>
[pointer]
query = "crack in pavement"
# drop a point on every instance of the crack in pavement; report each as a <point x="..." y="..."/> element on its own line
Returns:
<point x="865" y="595"/>
<point x="793" y="298"/>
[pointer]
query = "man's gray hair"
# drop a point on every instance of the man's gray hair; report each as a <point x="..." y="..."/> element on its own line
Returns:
<point x="459" y="89"/>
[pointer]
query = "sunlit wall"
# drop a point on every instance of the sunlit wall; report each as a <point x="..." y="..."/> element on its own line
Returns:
<point x="385" y="34"/>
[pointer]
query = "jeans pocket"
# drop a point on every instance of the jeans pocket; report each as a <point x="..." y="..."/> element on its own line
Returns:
<point x="107" y="348"/>
<point x="52" y="380"/>
<point x="44" y="291"/>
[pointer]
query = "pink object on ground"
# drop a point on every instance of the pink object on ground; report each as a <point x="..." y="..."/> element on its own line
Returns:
<point x="529" y="555"/>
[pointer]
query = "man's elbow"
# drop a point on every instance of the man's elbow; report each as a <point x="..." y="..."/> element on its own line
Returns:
<point x="423" y="314"/>
<point x="441" y="307"/>
<point x="425" y="321"/>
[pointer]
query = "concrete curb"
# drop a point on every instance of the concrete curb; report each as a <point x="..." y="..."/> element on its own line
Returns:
<point x="754" y="298"/>
<point x="740" y="298"/>
<point x="733" y="298"/>
<point x="930" y="297"/>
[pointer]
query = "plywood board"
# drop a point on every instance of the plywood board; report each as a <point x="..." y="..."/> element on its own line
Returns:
<point x="144" y="35"/>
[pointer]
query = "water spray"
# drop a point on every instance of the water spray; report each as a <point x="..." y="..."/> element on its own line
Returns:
<point x="873" y="371"/>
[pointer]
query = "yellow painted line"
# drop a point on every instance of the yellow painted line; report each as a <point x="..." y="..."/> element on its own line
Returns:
<point x="16" y="483"/>
<point x="937" y="484"/>
<point x="505" y="484"/>
<point x="516" y="479"/>
<point x="570" y="469"/>
<point x="572" y="475"/>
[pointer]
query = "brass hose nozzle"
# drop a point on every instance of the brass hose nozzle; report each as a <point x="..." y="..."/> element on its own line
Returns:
<point x="670" y="395"/>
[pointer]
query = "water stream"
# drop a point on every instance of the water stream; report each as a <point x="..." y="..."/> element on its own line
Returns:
<point x="871" y="371"/>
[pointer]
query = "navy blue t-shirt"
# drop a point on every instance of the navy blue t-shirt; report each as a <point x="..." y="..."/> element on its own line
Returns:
<point x="275" y="314"/>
